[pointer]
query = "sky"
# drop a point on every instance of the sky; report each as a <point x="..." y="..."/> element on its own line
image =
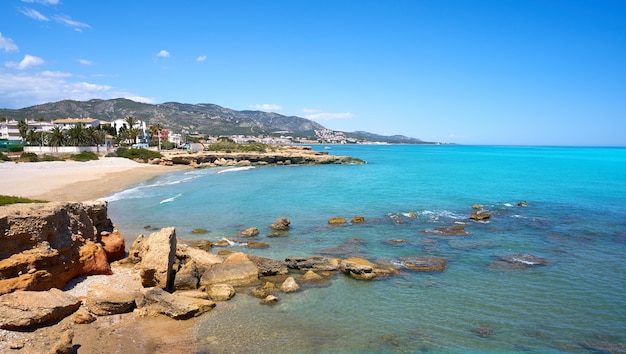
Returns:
<point x="498" y="72"/>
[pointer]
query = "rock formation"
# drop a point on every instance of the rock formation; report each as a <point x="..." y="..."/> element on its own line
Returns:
<point x="157" y="259"/>
<point x="21" y="310"/>
<point x="44" y="245"/>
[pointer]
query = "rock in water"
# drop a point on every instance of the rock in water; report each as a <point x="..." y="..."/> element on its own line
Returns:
<point x="237" y="270"/>
<point x="156" y="301"/>
<point x="281" y="224"/>
<point x="20" y="310"/>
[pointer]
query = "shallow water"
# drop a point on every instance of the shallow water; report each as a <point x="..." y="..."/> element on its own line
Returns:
<point x="575" y="218"/>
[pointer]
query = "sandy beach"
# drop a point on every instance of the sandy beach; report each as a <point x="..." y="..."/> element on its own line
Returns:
<point x="75" y="181"/>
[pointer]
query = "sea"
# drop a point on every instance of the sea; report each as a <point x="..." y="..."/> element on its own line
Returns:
<point x="560" y="210"/>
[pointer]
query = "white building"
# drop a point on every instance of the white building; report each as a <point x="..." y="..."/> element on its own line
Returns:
<point x="68" y="123"/>
<point x="9" y="128"/>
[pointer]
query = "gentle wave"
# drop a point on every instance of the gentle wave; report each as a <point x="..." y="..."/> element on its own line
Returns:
<point x="235" y="169"/>
<point x="169" y="200"/>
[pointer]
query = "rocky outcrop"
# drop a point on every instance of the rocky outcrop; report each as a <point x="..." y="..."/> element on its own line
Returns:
<point x="44" y="245"/>
<point x="220" y="292"/>
<point x="249" y="232"/>
<point x="21" y="310"/>
<point x="156" y="301"/>
<point x="337" y="220"/>
<point x="362" y="269"/>
<point x="190" y="264"/>
<point x="289" y="285"/>
<point x="316" y="263"/>
<point x="157" y="259"/>
<point x="480" y="216"/>
<point x="424" y="263"/>
<point x="281" y="224"/>
<point x="269" y="266"/>
<point x="236" y="270"/>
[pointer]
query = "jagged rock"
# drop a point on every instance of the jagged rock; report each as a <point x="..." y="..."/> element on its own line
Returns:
<point x="192" y="263"/>
<point x="270" y="299"/>
<point x="522" y="203"/>
<point x="221" y="292"/>
<point x="264" y="290"/>
<point x="289" y="285"/>
<point x="281" y="224"/>
<point x="83" y="316"/>
<point x="155" y="301"/>
<point x="20" y="310"/>
<point x="313" y="263"/>
<point x="269" y="266"/>
<point x="337" y="221"/>
<point x="64" y="344"/>
<point x="104" y="300"/>
<point x="45" y="245"/>
<point x="136" y="250"/>
<point x="424" y="263"/>
<point x="114" y="246"/>
<point x="236" y="270"/>
<point x="187" y="276"/>
<point x="480" y="216"/>
<point x="249" y="232"/>
<point x="157" y="259"/>
<point x="363" y="269"/>
<point x="358" y="219"/>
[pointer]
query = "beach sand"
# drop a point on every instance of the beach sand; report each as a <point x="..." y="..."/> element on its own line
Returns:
<point x="75" y="181"/>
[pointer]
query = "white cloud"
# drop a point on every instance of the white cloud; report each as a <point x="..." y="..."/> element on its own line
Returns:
<point x="44" y="2"/>
<point x="201" y="58"/>
<point x="163" y="54"/>
<point x="266" y="107"/>
<point x="66" y="20"/>
<point x="22" y="90"/>
<point x="34" y="14"/>
<point x="28" y="62"/>
<point x="329" y="116"/>
<point x="85" y="61"/>
<point x="7" y="44"/>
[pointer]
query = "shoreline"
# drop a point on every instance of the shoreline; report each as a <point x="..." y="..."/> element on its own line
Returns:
<point x="76" y="181"/>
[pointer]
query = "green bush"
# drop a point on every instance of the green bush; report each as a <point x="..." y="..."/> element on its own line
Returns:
<point x="29" y="157"/>
<point x="166" y="145"/>
<point x="51" y="158"/>
<point x="141" y="154"/>
<point x="16" y="148"/>
<point x="231" y="146"/>
<point x="85" y="156"/>
<point x="4" y="157"/>
<point x="120" y="151"/>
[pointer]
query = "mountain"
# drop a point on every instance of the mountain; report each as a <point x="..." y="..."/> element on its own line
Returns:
<point x="204" y="118"/>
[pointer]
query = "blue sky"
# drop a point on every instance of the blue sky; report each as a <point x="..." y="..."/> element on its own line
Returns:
<point x="468" y="71"/>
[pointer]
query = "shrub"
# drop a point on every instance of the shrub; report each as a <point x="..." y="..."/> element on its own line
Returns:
<point x="85" y="156"/>
<point x="16" y="148"/>
<point x="4" y="157"/>
<point x="141" y="154"/>
<point x="28" y="157"/>
<point x="51" y="158"/>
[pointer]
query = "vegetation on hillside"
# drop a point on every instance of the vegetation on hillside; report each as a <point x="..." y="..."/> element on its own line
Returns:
<point x="228" y="145"/>
<point x="7" y="199"/>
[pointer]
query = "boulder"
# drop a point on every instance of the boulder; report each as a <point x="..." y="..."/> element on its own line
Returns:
<point x="289" y="285"/>
<point x="64" y="344"/>
<point x="114" y="246"/>
<point x="424" y="263"/>
<point x="104" y="300"/>
<point x="358" y="219"/>
<point x="269" y="266"/>
<point x="220" y="292"/>
<point x="236" y="270"/>
<point x="158" y="254"/>
<point x="191" y="263"/>
<point x="281" y="224"/>
<point x="257" y="245"/>
<point x="21" y="310"/>
<point x="362" y="269"/>
<point x="337" y="221"/>
<point x="270" y="300"/>
<point x="156" y="301"/>
<point x="313" y="263"/>
<point x="480" y="216"/>
<point x="83" y="316"/>
<point x="136" y="250"/>
<point x="454" y="230"/>
<point x="187" y="276"/>
<point x="45" y="245"/>
<point x="249" y="232"/>
<point x="264" y="290"/>
<point x="477" y="206"/>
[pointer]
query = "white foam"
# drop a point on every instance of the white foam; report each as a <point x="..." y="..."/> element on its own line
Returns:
<point x="235" y="169"/>
<point x="168" y="200"/>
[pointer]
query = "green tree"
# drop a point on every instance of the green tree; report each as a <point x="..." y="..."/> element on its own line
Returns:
<point x="133" y="132"/>
<point x="156" y="129"/>
<point x="22" y="126"/>
<point x="56" y="138"/>
<point x="33" y="137"/>
<point x="96" y="136"/>
<point x="76" y="136"/>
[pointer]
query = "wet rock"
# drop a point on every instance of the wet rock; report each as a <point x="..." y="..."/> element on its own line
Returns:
<point x="482" y="331"/>
<point x="522" y="203"/>
<point x="270" y="300"/>
<point x="503" y="265"/>
<point x="313" y="263"/>
<point x="23" y="309"/>
<point x="220" y="292"/>
<point x="157" y="259"/>
<point x="337" y="221"/>
<point x="278" y="234"/>
<point x="281" y="224"/>
<point x="269" y="266"/>
<point x="480" y="216"/>
<point x="526" y="259"/>
<point x="289" y="285"/>
<point x="477" y="206"/>
<point x="424" y="263"/>
<point x="362" y="269"/>
<point x="396" y="241"/>
<point x="358" y="219"/>
<point x="104" y="300"/>
<point x="257" y="245"/>
<point x="249" y="232"/>
<point x="156" y="301"/>
<point x="236" y="270"/>
<point x="264" y="290"/>
<point x="454" y="230"/>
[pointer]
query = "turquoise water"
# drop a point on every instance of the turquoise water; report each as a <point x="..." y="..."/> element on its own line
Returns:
<point x="575" y="218"/>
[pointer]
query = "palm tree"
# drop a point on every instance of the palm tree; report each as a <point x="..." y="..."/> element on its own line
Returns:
<point x="76" y="136"/>
<point x="133" y="132"/>
<point x="56" y="138"/>
<point x="22" y="126"/>
<point x="156" y="128"/>
<point x="96" y="137"/>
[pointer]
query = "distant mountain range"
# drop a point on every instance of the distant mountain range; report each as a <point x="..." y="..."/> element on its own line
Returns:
<point x="202" y="118"/>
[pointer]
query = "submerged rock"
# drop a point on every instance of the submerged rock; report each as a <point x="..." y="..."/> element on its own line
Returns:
<point x="481" y="216"/>
<point x="482" y="331"/>
<point x="313" y="263"/>
<point x="249" y="232"/>
<point x="526" y="259"/>
<point x="454" y="230"/>
<point x="424" y="263"/>
<point x="358" y="219"/>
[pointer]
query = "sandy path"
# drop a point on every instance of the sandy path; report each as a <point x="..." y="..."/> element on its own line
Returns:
<point x="74" y="181"/>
